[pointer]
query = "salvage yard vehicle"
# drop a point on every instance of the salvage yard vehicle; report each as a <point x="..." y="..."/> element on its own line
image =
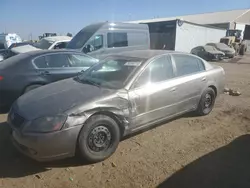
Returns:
<point x="7" y="39"/>
<point x="55" y="42"/>
<point x="48" y="43"/>
<point x="229" y="52"/>
<point x="122" y="94"/>
<point x="105" y="38"/>
<point x="27" y="71"/>
<point x="208" y="53"/>
<point x="234" y="40"/>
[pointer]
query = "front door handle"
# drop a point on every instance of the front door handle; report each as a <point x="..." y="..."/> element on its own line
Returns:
<point x="173" y="89"/>
<point x="204" y="79"/>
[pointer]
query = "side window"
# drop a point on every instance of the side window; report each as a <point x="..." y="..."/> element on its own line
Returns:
<point x="60" y="45"/>
<point x="194" y="50"/>
<point x="117" y="40"/>
<point x="159" y="70"/>
<point x="81" y="61"/>
<point x="94" y="44"/>
<point x="186" y="64"/>
<point x="57" y="60"/>
<point x="40" y="62"/>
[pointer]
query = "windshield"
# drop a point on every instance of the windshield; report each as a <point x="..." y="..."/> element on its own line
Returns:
<point x="210" y="48"/>
<point x="111" y="72"/>
<point x="83" y="36"/>
<point x="43" y="44"/>
<point x="233" y="33"/>
<point x="221" y="45"/>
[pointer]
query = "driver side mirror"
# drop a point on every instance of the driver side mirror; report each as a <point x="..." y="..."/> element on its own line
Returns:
<point x="86" y="49"/>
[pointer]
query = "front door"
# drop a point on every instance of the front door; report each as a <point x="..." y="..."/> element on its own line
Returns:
<point x="152" y="93"/>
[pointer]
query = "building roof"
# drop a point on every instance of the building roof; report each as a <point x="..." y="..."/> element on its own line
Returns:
<point x="240" y="16"/>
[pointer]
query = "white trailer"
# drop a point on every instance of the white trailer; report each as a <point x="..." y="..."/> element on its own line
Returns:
<point x="181" y="35"/>
<point x="190" y="35"/>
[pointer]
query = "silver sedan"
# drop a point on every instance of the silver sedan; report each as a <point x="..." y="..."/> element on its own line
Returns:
<point x="124" y="93"/>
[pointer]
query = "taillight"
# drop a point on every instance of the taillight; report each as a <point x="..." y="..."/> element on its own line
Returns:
<point x="1" y="78"/>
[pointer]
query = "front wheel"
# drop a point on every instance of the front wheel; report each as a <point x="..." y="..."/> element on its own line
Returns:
<point x="98" y="138"/>
<point x="206" y="103"/>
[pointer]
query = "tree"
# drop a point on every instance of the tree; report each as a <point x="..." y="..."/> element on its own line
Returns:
<point x="69" y="35"/>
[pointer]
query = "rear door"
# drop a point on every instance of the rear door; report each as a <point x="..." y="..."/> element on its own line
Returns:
<point x="153" y="93"/>
<point x="54" y="67"/>
<point x="190" y="81"/>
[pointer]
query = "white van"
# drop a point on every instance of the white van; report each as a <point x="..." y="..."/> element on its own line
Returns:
<point x="7" y="39"/>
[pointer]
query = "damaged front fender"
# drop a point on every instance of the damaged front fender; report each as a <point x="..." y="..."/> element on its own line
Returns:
<point x="118" y="108"/>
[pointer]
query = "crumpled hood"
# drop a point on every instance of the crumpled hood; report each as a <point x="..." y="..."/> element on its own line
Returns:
<point x="23" y="49"/>
<point x="57" y="97"/>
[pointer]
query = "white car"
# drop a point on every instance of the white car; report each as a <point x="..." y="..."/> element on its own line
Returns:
<point x="7" y="39"/>
<point x="56" y="42"/>
<point x="47" y="43"/>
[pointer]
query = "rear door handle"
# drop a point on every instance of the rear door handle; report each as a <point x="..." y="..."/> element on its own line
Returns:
<point x="44" y="73"/>
<point x="204" y="79"/>
<point x="173" y="89"/>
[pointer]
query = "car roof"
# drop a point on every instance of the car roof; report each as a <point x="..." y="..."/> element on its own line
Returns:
<point x="58" y="38"/>
<point x="40" y="52"/>
<point x="35" y="53"/>
<point x="147" y="54"/>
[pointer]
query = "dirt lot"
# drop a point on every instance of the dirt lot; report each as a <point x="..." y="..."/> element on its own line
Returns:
<point x="211" y="151"/>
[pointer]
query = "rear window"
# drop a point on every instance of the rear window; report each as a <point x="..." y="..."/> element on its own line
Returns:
<point x="186" y="64"/>
<point x="40" y="62"/>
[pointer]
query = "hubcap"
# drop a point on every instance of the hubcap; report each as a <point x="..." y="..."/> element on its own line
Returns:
<point x="208" y="100"/>
<point x="99" y="139"/>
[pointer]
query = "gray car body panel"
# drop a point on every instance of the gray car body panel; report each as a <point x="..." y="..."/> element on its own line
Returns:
<point x="134" y="108"/>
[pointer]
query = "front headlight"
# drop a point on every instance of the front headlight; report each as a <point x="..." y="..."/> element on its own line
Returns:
<point x="46" y="124"/>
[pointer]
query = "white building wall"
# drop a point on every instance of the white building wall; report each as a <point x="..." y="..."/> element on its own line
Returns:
<point x="241" y="27"/>
<point x="190" y="35"/>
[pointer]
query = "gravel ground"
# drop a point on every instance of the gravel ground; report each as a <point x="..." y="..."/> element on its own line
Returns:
<point x="210" y="151"/>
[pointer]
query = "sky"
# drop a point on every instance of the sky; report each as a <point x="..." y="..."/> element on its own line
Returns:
<point x="33" y="17"/>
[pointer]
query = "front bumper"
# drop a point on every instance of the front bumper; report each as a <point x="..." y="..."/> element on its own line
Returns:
<point x="216" y="57"/>
<point x="49" y="146"/>
<point x="229" y="55"/>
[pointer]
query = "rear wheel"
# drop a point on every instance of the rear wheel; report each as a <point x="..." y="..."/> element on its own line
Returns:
<point x="31" y="87"/>
<point x="206" y="103"/>
<point x="237" y="49"/>
<point x="98" y="138"/>
<point x="242" y="49"/>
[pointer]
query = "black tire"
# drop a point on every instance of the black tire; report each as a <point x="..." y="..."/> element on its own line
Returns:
<point x="242" y="49"/>
<point x="97" y="128"/>
<point x="206" y="103"/>
<point x="31" y="87"/>
<point x="237" y="49"/>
